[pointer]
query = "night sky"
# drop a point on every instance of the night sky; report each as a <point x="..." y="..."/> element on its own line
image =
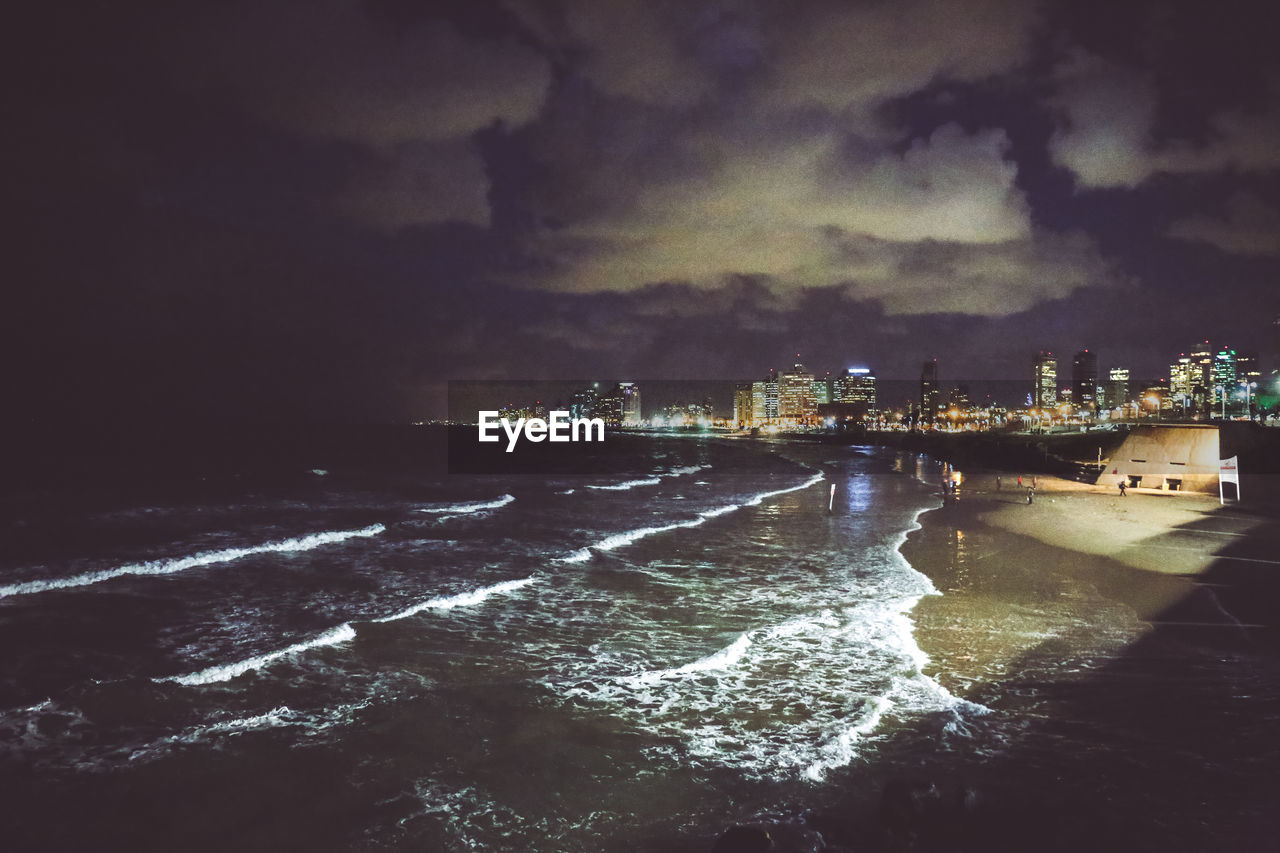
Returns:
<point x="324" y="210"/>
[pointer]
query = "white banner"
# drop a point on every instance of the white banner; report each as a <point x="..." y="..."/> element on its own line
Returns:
<point x="1229" y="470"/>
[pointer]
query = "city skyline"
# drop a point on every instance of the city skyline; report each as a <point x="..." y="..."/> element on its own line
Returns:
<point x="328" y="211"/>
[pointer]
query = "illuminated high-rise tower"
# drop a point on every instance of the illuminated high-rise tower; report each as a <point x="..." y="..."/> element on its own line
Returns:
<point x="1117" y="388"/>
<point x="631" y="415"/>
<point x="930" y="396"/>
<point x="858" y="385"/>
<point x="795" y="395"/>
<point x="1182" y="380"/>
<point x="1045" y="376"/>
<point x="1201" y="356"/>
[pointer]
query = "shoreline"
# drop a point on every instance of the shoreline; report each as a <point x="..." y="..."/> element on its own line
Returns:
<point x="1127" y="651"/>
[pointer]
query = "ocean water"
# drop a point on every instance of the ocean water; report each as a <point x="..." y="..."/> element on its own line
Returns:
<point x="343" y="656"/>
<point x="457" y="663"/>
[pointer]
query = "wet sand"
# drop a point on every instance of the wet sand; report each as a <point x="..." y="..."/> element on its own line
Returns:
<point x="1126" y="647"/>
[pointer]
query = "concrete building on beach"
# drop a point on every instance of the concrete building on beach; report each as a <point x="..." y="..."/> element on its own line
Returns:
<point x="1168" y="457"/>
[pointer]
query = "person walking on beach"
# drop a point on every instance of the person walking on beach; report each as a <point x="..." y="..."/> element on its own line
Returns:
<point x="1019" y="481"/>
<point x="997" y="482"/>
<point x="1031" y="493"/>
<point x="1122" y="488"/>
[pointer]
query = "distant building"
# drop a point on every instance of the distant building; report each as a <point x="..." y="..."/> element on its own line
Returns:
<point x="1222" y="381"/>
<point x="1116" y="391"/>
<point x="764" y="400"/>
<point x="857" y="385"/>
<point x="620" y="406"/>
<point x="1045" y="375"/>
<point x="631" y="412"/>
<point x="582" y="403"/>
<point x="795" y="396"/>
<point x="930" y="395"/>
<point x="742" y="415"/>
<point x="822" y="389"/>
<point x="1247" y="367"/>
<point x="1182" y="376"/>
<point x="1084" y="381"/>
<point x="1201" y="356"/>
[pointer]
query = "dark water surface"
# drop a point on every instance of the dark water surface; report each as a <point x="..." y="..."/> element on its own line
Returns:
<point x="351" y="655"/>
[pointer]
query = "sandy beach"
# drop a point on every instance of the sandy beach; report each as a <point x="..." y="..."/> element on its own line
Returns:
<point x="1126" y="647"/>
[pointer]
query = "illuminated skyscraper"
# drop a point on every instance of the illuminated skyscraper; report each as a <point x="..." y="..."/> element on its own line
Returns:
<point x="857" y="385"/>
<point x="930" y="396"/>
<point x="795" y="395"/>
<point x="1201" y="356"/>
<point x="1182" y="381"/>
<point x="822" y="389"/>
<point x="620" y="406"/>
<point x="631" y="415"/>
<point x="764" y="399"/>
<point x="1084" y="380"/>
<point x="1224" y="370"/>
<point x="1045" y="374"/>
<point x="1116" y="392"/>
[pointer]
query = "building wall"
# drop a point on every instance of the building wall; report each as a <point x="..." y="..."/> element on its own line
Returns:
<point x="1160" y="454"/>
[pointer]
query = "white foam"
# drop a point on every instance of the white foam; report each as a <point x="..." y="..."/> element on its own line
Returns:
<point x="760" y="498"/>
<point x="334" y="636"/>
<point x="722" y="659"/>
<point x="463" y="599"/>
<point x="842" y="748"/>
<point x="793" y="700"/>
<point x="688" y="469"/>
<point x="473" y="506"/>
<point x="627" y="485"/>
<point x="619" y="540"/>
<point x="168" y="567"/>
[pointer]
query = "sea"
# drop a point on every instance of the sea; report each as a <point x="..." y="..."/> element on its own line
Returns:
<point x="345" y="654"/>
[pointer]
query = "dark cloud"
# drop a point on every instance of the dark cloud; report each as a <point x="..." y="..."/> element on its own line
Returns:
<point x="328" y="209"/>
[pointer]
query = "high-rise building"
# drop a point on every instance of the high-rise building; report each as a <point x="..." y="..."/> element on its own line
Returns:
<point x="857" y="385"/>
<point x="1045" y="374"/>
<point x="620" y="406"/>
<point x="742" y="414"/>
<point x="631" y="414"/>
<point x="1116" y="391"/>
<point x="930" y="395"/>
<point x="1084" y="381"/>
<point x="795" y="396"/>
<point x="822" y="389"/>
<point x="1182" y="381"/>
<point x="582" y="403"/>
<point x="1247" y="367"/>
<point x="1224" y="369"/>
<point x="1201" y="356"/>
<point x="764" y="399"/>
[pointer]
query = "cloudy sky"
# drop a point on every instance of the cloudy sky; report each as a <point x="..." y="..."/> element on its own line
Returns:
<point x="325" y="209"/>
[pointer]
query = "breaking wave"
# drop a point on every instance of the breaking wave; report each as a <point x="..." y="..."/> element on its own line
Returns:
<point x="470" y="507"/>
<point x="179" y="564"/>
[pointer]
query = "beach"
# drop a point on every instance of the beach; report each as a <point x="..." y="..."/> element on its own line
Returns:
<point x="1125" y="646"/>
